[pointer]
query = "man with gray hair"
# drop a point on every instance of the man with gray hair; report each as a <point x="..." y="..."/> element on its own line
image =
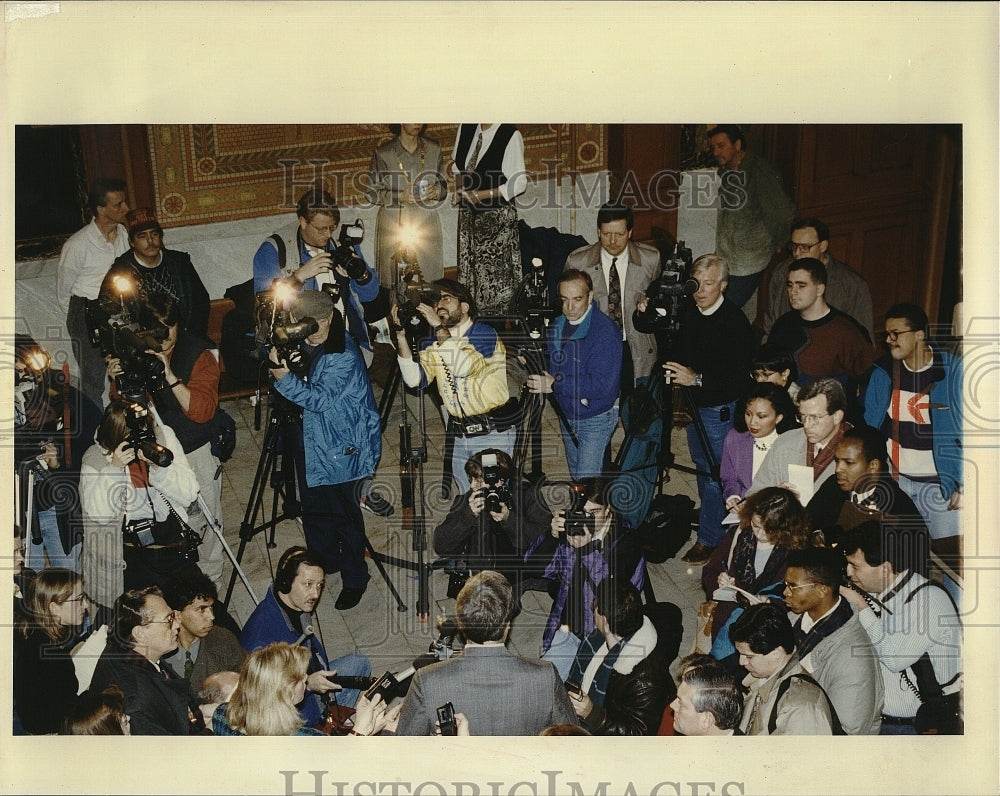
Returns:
<point x="708" y="702"/>
<point x="499" y="693"/>
<point x="711" y="357"/>
<point x="339" y="441"/>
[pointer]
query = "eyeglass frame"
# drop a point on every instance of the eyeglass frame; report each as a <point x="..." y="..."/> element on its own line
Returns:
<point x="812" y="419"/>
<point x="172" y="617"/>
<point x="79" y="599"/>
<point x="323" y="230"/>
<point x="794" y="586"/>
<point x="893" y="336"/>
<point x="802" y="247"/>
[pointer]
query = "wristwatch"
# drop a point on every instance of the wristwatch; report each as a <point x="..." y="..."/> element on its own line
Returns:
<point x="698" y="380"/>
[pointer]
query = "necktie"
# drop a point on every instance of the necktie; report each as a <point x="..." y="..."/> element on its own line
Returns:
<point x="615" y="294"/>
<point x="471" y="165"/>
<point x="188" y="664"/>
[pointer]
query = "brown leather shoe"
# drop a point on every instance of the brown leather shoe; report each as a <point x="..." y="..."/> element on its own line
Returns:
<point x="697" y="554"/>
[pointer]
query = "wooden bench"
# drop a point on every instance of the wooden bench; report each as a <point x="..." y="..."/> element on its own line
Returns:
<point x="228" y="386"/>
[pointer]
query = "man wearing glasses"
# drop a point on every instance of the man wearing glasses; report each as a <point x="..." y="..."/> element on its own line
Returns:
<point x="145" y="630"/>
<point x="914" y="397"/>
<point x="301" y="254"/>
<point x="621" y="270"/>
<point x="846" y="289"/>
<point x="822" y="405"/>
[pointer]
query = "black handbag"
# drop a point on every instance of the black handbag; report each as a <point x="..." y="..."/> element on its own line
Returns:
<point x="939" y="713"/>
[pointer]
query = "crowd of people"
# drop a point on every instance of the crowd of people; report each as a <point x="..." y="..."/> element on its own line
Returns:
<point x="829" y="478"/>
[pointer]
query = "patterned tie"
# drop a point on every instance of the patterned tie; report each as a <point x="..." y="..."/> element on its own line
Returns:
<point x="188" y="664"/>
<point x="615" y="295"/>
<point x="471" y="165"/>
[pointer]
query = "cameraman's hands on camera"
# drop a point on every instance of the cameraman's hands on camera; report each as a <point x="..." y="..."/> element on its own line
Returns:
<point x="278" y="368"/>
<point x="679" y="374"/>
<point x="477" y="502"/>
<point x="558" y="529"/>
<point x="540" y="382"/>
<point x="126" y="453"/>
<point x="49" y="456"/>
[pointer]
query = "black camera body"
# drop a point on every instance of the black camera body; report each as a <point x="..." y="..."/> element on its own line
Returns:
<point x="410" y="293"/>
<point x="276" y="328"/>
<point x="495" y="495"/>
<point x="142" y="437"/>
<point x="579" y="521"/>
<point x="537" y="308"/>
<point x="668" y="294"/>
<point x="128" y="340"/>
<point x="343" y="253"/>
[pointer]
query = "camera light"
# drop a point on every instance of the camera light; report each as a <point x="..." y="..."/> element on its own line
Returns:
<point x="283" y="292"/>
<point x="123" y="284"/>
<point x="409" y="237"/>
<point x="36" y="360"/>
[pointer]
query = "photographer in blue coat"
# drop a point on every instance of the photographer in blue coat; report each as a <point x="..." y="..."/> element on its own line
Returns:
<point x="340" y="441"/>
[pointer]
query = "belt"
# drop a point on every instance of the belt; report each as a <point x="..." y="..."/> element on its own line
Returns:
<point x="900" y="720"/>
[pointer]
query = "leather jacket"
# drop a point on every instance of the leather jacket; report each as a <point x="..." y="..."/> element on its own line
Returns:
<point x="635" y="702"/>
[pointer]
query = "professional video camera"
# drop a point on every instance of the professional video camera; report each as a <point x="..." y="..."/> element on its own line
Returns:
<point x="142" y="437"/>
<point x="534" y="304"/>
<point x="129" y="339"/>
<point x="495" y="494"/>
<point x="667" y="295"/>
<point x="412" y="291"/>
<point x="344" y="255"/>
<point x="277" y="329"/>
<point x="579" y="521"/>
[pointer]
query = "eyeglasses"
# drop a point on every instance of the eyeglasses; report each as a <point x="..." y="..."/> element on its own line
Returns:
<point x="83" y="597"/>
<point x="808" y="420"/>
<point x="894" y="335"/>
<point x="169" y="619"/>
<point x="794" y="586"/>
<point x="324" y="230"/>
<point x="802" y="247"/>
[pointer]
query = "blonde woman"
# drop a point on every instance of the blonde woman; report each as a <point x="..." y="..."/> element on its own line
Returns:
<point x="272" y="682"/>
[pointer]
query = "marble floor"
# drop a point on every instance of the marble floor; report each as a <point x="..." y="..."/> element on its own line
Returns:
<point x="391" y="638"/>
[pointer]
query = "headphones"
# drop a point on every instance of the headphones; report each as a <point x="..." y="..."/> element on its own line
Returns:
<point x="288" y="567"/>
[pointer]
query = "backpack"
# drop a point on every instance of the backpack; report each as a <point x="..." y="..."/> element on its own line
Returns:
<point x="237" y="346"/>
<point x="772" y="720"/>
<point x="667" y="527"/>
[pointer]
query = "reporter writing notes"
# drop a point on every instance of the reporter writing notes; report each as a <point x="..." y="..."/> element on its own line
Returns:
<point x="339" y="444"/>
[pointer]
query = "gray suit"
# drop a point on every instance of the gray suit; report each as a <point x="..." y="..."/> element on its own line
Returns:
<point x="499" y="693"/>
<point x="788" y="448"/>
<point x="643" y="268"/>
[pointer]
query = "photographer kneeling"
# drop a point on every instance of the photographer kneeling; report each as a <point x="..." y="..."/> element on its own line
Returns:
<point x="492" y="525"/>
<point x="135" y="483"/>
<point x="187" y="400"/>
<point x="586" y="544"/>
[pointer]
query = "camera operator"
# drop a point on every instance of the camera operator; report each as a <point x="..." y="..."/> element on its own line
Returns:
<point x="53" y="425"/>
<point x="469" y="362"/>
<point x="127" y="498"/>
<point x="492" y="525"/>
<point x="712" y="355"/>
<point x="585" y="544"/>
<point x="187" y="400"/>
<point x="340" y="441"/>
<point x="308" y="255"/>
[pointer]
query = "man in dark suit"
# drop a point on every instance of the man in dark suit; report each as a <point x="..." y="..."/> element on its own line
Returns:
<point x="615" y="260"/>
<point x="498" y="693"/>
<point x="156" y="698"/>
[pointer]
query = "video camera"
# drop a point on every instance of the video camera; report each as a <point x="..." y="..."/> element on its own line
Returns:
<point x="536" y="308"/>
<point x="494" y="494"/>
<point x="667" y="295"/>
<point x="142" y="437"/>
<point x="579" y="521"/>
<point x="412" y="291"/>
<point x="344" y="255"/>
<point x="276" y="327"/>
<point x="129" y="340"/>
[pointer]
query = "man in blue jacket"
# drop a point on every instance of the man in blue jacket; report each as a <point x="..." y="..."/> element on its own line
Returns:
<point x="914" y="396"/>
<point x="340" y="442"/>
<point x="585" y="361"/>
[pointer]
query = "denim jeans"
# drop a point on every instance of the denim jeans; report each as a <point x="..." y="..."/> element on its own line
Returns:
<point x="356" y="665"/>
<point x="713" y="508"/>
<point x="593" y="434"/>
<point x="562" y="651"/>
<point x="51" y="546"/>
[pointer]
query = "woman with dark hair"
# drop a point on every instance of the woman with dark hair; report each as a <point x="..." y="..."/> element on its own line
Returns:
<point x="776" y="365"/>
<point x="752" y="557"/>
<point x="133" y="509"/>
<point x="406" y="180"/>
<point x="489" y="174"/>
<point x="98" y="714"/>
<point x="45" y="684"/>
<point x="766" y="411"/>
<point x="585" y="544"/>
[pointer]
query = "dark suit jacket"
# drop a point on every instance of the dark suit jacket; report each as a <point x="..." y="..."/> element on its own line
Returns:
<point x="219" y="651"/>
<point x="156" y="705"/>
<point x="643" y="268"/>
<point x="499" y="693"/>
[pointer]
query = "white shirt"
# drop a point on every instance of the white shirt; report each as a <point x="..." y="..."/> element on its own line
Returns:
<point x="85" y="260"/>
<point x="513" y="159"/>
<point x="621" y="266"/>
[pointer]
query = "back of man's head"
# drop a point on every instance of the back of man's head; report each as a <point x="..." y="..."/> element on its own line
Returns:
<point x="763" y="628"/>
<point x="484" y="607"/>
<point x="715" y="690"/>
<point x="620" y="603"/>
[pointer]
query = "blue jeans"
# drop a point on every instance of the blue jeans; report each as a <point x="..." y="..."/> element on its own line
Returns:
<point x="713" y="508"/>
<point x="51" y="546"/>
<point x="467" y="447"/>
<point x="356" y="665"/>
<point x="593" y="434"/>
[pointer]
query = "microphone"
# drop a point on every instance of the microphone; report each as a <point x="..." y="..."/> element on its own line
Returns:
<point x="306" y="632"/>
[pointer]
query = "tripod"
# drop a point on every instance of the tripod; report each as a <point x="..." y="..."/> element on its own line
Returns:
<point x="276" y="466"/>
